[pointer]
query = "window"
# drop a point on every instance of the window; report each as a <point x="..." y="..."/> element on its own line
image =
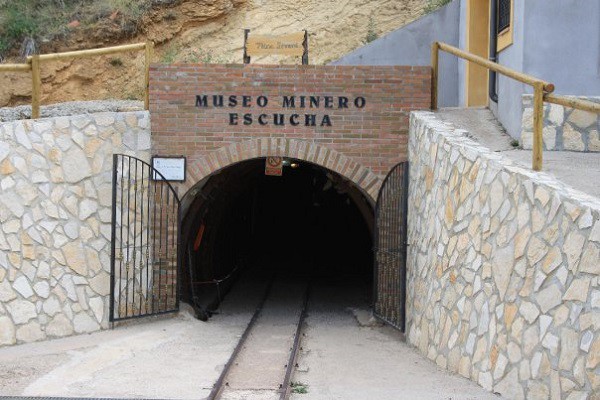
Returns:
<point x="505" y="24"/>
<point x="503" y="15"/>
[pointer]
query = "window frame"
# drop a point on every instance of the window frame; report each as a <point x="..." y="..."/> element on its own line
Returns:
<point x="505" y="37"/>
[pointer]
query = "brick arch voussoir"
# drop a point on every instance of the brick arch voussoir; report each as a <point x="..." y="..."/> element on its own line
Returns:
<point x="208" y="164"/>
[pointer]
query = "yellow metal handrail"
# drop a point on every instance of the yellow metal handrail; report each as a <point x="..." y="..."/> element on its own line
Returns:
<point x="34" y="64"/>
<point x="542" y="91"/>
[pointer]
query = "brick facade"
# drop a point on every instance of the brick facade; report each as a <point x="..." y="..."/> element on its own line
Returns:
<point x="350" y="119"/>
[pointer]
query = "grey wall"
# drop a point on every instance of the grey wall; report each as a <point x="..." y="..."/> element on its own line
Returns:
<point x="411" y="45"/>
<point x="555" y="40"/>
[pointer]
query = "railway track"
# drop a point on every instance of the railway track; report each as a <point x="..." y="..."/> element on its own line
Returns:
<point x="263" y="361"/>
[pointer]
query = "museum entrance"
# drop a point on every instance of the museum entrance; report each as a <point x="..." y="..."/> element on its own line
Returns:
<point x="309" y="223"/>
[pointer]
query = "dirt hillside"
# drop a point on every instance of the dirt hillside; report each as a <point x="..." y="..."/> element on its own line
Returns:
<point x="192" y="31"/>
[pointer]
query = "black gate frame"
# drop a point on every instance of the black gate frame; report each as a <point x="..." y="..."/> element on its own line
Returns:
<point x="392" y="247"/>
<point x="155" y="177"/>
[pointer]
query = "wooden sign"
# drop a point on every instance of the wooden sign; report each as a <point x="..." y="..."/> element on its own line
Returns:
<point x="274" y="166"/>
<point x="289" y="45"/>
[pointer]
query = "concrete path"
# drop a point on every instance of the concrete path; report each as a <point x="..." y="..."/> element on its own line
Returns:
<point x="181" y="358"/>
<point x="576" y="169"/>
<point x="349" y="356"/>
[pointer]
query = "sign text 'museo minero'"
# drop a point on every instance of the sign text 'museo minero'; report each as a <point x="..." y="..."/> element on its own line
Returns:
<point x="289" y="104"/>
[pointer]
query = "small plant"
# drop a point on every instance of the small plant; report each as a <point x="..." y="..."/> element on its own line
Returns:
<point x="514" y="143"/>
<point x="371" y="32"/>
<point x="116" y="62"/>
<point x="299" y="387"/>
<point x="170" y="54"/>
<point x="195" y="56"/>
<point x="170" y="16"/>
<point x="434" y="5"/>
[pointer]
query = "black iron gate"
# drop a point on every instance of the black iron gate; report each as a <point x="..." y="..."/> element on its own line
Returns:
<point x="390" y="248"/>
<point x="145" y="241"/>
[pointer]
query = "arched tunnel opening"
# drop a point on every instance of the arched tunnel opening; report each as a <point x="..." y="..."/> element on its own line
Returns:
<point x="310" y="223"/>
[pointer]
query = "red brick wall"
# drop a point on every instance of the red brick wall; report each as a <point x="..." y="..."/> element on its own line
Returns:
<point x="374" y="137"/>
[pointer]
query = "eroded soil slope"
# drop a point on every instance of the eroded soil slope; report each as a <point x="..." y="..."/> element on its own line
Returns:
<point x="195" y="31"/>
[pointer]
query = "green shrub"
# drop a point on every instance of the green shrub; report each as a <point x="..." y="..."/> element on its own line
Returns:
<point x="371" y="33"/>
<point x="435" y="4"/>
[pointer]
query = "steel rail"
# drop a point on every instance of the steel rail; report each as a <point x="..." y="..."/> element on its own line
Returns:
<point x="286" y="386"/>
<point x="219" y="385"/>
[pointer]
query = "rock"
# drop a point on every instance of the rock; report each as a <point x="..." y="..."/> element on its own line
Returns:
<point x="552" y="260"/>
<point x="22" y="286"/>
<point x="529" y="311"/>
<point x="59" y="326"/>
<point x="594" y="141"/>
<point x="83" y="323"/>
<point x="569" y="348"/>
<point x="578" y="290"/>
<point x="502" y="267"/>
<point x="101" y="284"/>
<point x="536" y="251"/>
<point x="4" y="150"/>
<point x="582" y="119"/>
<point x="586" y="341"/>
<point x="556" y="114"/>
<point x="13" y="203"/>
<point x="6" y="291"/>
<point x="75" y="257"/>
<point x="72" y="229"/>
<point x="7" y="331"/>
<point x="21" y="311"/>
<point x="75" y="165"/>
<point x="42" y="289"/>
<point x="590" y="260"/>
<point x="572" y="139"/>
<point x="51" y="306"/>
<point x="31" y="332"/>
<point x="548" y="298"/>
<point x="573" y="247"/>
<point x="86" y="208"/>
<point x="97" y="306"/>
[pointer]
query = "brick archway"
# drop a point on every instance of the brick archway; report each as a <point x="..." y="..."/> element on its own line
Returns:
<point x="203" y="166"/>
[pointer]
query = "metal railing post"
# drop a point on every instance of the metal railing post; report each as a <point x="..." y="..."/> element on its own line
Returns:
<point x="36" y="87"/>
<point x="538" y="126"/>
<point x="148" y="59"/>
<point x="435" y="47"/>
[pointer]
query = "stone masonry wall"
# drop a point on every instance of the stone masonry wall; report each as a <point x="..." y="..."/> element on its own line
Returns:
<point x="55" y="213"/>
<point x="564" y="128"/>
<point x="503" y="269"/>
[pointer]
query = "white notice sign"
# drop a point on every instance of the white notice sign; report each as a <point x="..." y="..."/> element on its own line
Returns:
<point x="172" y="168"/>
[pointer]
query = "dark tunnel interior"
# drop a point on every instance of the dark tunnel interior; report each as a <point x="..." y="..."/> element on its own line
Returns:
<point x="310" y="222"/>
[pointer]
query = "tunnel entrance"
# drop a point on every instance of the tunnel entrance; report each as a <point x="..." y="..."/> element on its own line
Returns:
<point x="310" y="222"/>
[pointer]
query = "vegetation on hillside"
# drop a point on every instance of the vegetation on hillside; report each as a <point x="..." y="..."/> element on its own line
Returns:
<point x="27" y="24"/>
<point x="433" y="5"/>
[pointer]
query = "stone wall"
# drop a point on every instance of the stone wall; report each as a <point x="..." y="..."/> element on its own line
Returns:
<point x="564" y="128"/>
<point x="503" y="269"/>
<point x="55" y="213"/>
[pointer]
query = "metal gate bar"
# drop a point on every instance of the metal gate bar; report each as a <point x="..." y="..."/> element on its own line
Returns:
<point x="145" y="239"/>
<point x="390" y="248"/>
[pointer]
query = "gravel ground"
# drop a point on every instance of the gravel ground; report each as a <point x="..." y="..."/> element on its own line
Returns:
<point x="70" y="108"/>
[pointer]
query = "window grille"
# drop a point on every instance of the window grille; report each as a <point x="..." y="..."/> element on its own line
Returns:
<point x="503" y="14"/>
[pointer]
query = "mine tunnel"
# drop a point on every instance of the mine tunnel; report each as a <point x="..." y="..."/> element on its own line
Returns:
<point x="310" y="223"/>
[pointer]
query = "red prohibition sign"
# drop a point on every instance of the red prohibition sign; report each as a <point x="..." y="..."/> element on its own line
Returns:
<point x="274" y="161"/>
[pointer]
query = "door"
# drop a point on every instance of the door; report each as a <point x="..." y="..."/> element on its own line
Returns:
<point x="145" y="241"/>
<point x="390" y="248"/>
